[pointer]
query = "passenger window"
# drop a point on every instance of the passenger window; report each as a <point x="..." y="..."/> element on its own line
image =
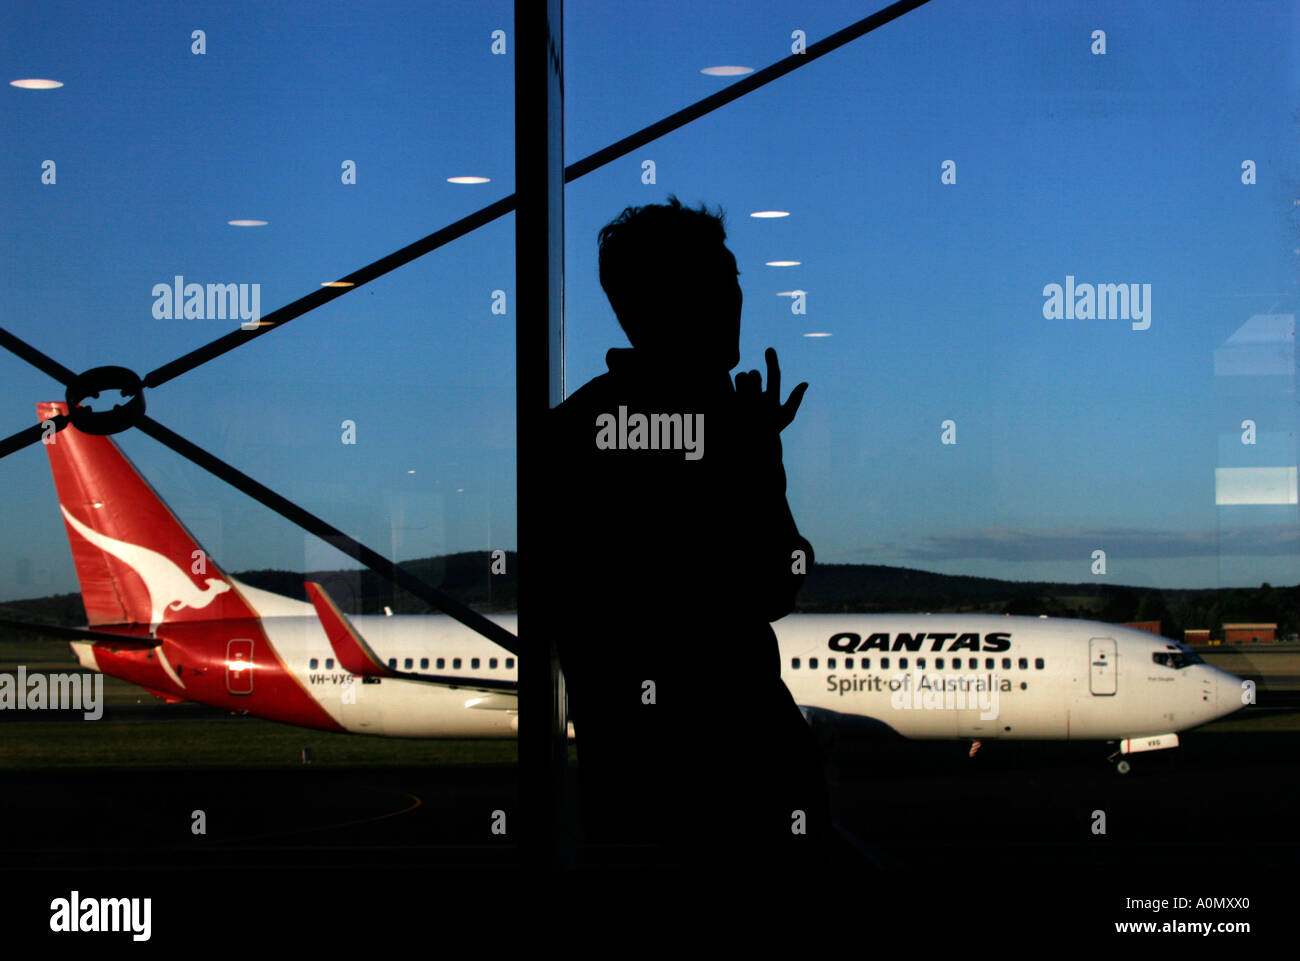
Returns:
<point x="455" y="663"/>
<point x="1038" y="663"/>
<point x="329" y="663"/>
<point x="1006" y="663"/>
<point x="392" y="663"/>
<point x="442" y="662"/>
<point x="510" y="663"/>
<point x="989" y="663"/>
<point x="314" y="663"/>
<point x="1024" y="663"/>
<point x="409" y="663"/>
<point x="920" y="662"/>
<point x="492" y="663"/>
<point x="474" y="663"/>
<point x="884" y="663"/>
<point x="794" y="662"/>
<point x="866" y="663"/>
<point x="938" y="663"/>
<point x="902" y="663"/>
<point x="848" y="663"/>
<point x="424" y="663"/>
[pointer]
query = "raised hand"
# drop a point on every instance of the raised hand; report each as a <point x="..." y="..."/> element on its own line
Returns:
<point x="749" y="389"/>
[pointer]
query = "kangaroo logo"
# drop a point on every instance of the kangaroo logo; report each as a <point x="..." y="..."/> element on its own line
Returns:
<point x="169" y="587"/>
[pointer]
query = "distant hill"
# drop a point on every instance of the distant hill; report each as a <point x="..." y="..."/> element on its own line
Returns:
<point x="871" y="589"/>
<point x="466" y="576"/>
<point x="830" y="588"/>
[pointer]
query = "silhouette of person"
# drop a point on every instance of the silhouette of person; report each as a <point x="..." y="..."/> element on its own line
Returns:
<point x="676" y="548"/>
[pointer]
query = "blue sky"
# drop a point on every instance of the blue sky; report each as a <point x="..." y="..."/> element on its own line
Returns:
<point x="1072" y="435"/>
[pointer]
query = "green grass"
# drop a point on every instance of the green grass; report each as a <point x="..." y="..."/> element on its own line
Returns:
<point x="253" y="743"/>
<point x="1263" y="722"/>
<point x="226" y="742"/>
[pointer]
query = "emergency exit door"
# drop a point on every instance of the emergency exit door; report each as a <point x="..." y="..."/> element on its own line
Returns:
<point x="1102" y="671"/>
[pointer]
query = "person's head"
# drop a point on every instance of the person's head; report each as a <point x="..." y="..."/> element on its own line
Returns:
<point x="672" y="283"/>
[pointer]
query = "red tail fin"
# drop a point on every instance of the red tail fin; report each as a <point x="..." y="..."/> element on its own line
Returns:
<point x="136" y="562"/>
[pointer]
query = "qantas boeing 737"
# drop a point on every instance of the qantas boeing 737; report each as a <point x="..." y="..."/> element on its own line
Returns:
<point x="163" y="616"/>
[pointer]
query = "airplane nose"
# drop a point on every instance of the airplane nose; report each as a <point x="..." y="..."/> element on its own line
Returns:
<point x="1230" y="693"/>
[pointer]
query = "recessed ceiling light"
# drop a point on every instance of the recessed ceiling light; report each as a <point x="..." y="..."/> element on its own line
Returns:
<point x="768" y="214"/>
<point x="784" y="263"/>
<point x="817" y="334"/>
<point x="36" y="84"/>
<point x="338" y="283"/>
<point x="727" y="71"/>
<point x="247" y="223"/>
<point x="791" y="293"/>
<point x="467" y="180"/>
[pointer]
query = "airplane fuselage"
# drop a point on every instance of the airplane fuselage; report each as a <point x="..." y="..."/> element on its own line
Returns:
<point x="925" y="676"/>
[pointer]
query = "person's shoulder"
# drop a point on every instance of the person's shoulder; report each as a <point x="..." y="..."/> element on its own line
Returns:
<point x="571" y="422"/>
<point x="593" y="395"/>
<point x="594" y="389"/>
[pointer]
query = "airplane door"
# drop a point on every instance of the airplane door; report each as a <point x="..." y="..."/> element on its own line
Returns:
<point x="1101" y="674"/>
<point x="239" y="666"/>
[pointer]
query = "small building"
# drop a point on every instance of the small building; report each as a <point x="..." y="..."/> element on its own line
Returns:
<point x="1249" y="633"/>
<point x="1198" y="635"/>
<point x="1152" y="626"/>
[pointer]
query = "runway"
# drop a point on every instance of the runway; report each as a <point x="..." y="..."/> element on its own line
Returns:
<point x="113" y="805"/>
<point x="916" y="803"/>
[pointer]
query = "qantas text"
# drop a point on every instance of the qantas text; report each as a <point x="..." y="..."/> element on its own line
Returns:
<point x="847" y="642"/>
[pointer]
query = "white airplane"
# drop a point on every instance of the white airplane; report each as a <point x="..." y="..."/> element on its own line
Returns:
<point x="162" y="615"/>
<point x="985" y="677"/>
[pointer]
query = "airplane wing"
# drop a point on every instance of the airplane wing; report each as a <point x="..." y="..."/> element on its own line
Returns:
<point x="356" y="656"/>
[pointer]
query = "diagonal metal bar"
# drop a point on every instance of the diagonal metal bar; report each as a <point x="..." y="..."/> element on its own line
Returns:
<point x="330" y="534"/>
<point x="738" y="89"/>
<point x="34" y="357"/>
<point x="281" y="316"/>
<point x="30" y="435"/>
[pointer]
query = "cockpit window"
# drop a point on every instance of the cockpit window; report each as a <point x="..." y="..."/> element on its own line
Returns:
<point x="1176" y="659"/>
